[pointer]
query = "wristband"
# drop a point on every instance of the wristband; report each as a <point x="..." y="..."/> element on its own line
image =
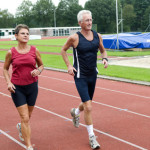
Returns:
<point x="105" y="59"/>
<point x="39" y="70"/>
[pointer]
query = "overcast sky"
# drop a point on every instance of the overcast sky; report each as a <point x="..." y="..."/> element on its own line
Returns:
<point x="12" y="5"/>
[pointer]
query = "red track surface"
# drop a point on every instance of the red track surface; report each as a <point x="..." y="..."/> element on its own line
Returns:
<point x="121" y="115"/>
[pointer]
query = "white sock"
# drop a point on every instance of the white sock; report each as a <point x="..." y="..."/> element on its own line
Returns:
<point x="77" y="111"/>
<point x="90" y="130"/>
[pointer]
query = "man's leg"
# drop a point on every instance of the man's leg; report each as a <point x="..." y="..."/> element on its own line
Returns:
<point x="87" y="107"/>
<point x="89" y="124"/>
<point x="75" y="113"/>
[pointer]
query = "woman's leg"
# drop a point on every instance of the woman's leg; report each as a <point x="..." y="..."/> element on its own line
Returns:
<point x="25" y="126"/>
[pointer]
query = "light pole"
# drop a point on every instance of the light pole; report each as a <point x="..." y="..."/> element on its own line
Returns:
<point x="0" y="31"/>
<point x="121" y="21"/>
<point x="54" y="17"/>
<point x="149" y="24"/>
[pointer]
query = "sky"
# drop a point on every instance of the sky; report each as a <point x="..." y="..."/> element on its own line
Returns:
<point x="12" y="5"/>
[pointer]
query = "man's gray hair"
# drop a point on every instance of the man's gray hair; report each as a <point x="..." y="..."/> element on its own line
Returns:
<point x="81" y="13"/>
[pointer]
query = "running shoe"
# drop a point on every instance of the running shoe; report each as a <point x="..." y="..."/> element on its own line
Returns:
<point x="20" y="133"/>
<point x="30" y="148"/>
<point x="75" y="118"/>
<point x="93" y="142"/>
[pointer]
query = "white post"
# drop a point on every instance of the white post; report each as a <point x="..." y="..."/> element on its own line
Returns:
<point x="149" y="18"/>
<point x="121" y="21"/>
<point x="54" y="17"/>
<point x="0" y="17"/>
<point x="148" y="25"/>
<point x="117" y="23"/>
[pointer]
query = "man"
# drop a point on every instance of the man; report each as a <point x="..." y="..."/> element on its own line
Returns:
<point x="85" y="47"/>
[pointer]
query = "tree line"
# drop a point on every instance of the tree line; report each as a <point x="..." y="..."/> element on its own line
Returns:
<point x="135" y="14"/>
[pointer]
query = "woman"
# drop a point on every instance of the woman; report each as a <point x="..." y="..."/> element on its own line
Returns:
<point x="23" y="84"/>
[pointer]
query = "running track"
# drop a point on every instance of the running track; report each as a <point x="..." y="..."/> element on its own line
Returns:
<point x="121" y="115"/>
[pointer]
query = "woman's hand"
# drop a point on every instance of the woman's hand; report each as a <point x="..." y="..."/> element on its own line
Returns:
<point x="11" y="88"/>
<point x="35" y="73"/>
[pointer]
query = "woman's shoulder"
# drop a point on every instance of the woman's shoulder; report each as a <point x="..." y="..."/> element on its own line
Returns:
<point x="9" y="53"/>
<point x="32" y="47"/>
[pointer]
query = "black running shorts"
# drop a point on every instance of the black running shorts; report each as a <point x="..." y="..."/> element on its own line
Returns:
<point x="86" y="87"/>
<point x="26" y="94"/>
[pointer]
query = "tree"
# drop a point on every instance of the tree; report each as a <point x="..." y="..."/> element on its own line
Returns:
<point x="104" y="15"/>
<point x="43" y="12"/>
<point x="146" y="19"/>
<point x="140" y="8"/>
<point x="129" y="17"/>
<point x="6" y="19"/>
<point x="67" y="11"/>
<point x="24" y="13"/>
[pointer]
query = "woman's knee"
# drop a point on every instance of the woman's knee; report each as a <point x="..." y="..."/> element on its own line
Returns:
<point x="25" y="119"/>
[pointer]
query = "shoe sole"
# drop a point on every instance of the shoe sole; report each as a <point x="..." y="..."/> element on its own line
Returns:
<point x="72" y="112"/>
<point x="17" y="126"/>
<point x="98" y="147"/>
<point x="73" y="115"/>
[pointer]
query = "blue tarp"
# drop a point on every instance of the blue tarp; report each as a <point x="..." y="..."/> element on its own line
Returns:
<point x="127" y="41"/>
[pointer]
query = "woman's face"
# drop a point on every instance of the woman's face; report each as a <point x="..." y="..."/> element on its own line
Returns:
<point x="22" y="36"/>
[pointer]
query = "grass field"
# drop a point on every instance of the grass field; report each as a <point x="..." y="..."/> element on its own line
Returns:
<point x="56" y="61"/>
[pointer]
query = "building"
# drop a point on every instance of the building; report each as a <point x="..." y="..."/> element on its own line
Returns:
<point x="46" y="31"/>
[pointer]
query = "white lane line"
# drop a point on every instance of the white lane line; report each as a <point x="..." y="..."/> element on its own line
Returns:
<point x="147" y="97"/>
<point x="13" y="139"/>
<point x="121" y="109"/>
<point x="109" y="135"/>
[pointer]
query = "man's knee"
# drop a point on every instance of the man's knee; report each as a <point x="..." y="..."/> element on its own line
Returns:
<point x="88" y="106"/>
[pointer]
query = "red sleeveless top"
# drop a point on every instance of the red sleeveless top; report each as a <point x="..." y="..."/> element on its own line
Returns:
<point x="22" y="65"/>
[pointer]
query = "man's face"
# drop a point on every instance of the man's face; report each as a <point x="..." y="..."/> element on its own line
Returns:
<point x="86" y="22"/>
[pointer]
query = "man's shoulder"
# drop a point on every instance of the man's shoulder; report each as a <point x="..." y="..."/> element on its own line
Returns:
<point x="73" y="37"/>
<point x="99" y="35"/>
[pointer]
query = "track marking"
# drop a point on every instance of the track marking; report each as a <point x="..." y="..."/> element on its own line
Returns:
<point x="126" y="110"/>
<point x="147" y="97"/>
<point x="99" y="131"/>
<point x="109" y="135"/>
<point x="13" y="139"/>
<point x="122" y="109"/>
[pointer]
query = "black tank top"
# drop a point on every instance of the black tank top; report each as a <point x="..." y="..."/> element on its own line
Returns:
<point x="85" y="56"/>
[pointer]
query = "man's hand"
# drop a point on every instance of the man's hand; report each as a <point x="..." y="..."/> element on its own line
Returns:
<point x="105" y="62"/>
<point x="71" y="70"/>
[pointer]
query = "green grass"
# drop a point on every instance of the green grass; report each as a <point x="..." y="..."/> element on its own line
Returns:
<point x="128" y="53"/>
<point x="6" y="46"/>
<point x="132" y="73"/>
<point x="2" y="55"/>
<point x="40" y="42"/>
<point x="56" y="61"/>
<point x="48" y="47"/>
<point x="48" y="42"/>
<point x="40" y="48"/>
